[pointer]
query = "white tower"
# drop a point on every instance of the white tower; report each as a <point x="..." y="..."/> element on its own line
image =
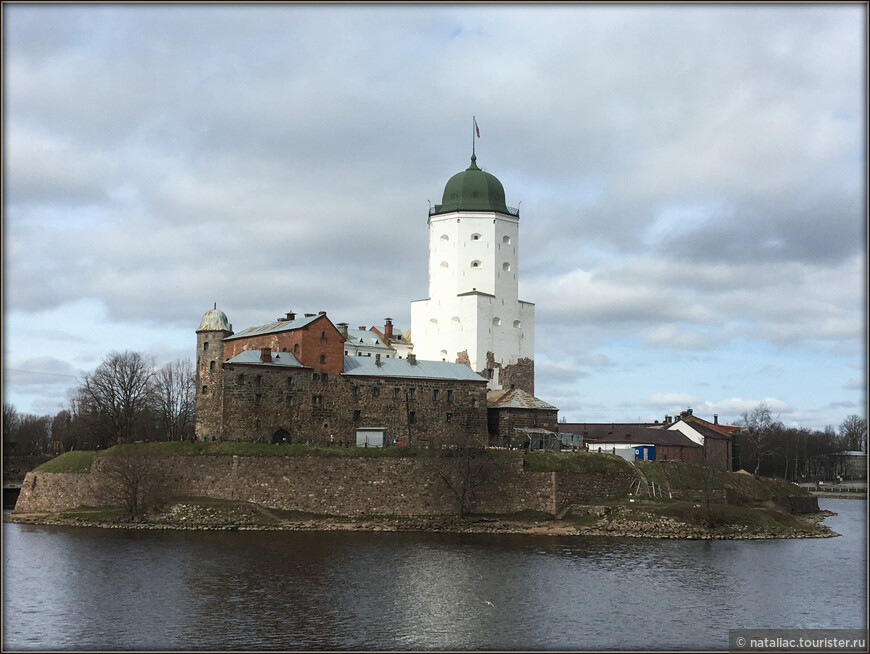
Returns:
<point x="473" y="314"/>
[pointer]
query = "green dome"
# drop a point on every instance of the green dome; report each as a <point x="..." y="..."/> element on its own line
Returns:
<point x="472" y="190"/>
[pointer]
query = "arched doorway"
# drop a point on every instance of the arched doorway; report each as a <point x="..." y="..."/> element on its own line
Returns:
<point x="282" y="436"/>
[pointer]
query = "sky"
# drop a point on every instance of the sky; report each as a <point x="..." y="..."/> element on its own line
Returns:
<point x="692" y="182"/>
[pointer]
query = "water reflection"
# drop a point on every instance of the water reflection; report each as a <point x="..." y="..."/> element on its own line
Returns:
<point x="94" y="589"/>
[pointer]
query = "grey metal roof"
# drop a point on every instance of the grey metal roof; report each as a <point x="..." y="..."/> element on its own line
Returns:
<point x="365" y="337"/>
<point x="516" y="398"/>
<point x="402" y="368"/>
<point x="640" y="435"/>
<point x="274" y="327"/>
<point x="252" y="357"/>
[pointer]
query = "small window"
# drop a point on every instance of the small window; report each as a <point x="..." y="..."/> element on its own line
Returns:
<point x="296" y="349"/>
<point x="205" y="390"/>
<point x="412" y="417"/>
<point x="435" y="395"/>
<point x="444" y="237"/>
<point x="449" y="417"/>
<point x="506" y="240"/>
<point x="475" y="237"/>
<point x="444" y="264"/>
<point x="258" y="380"/>
<point x="449" y="397"/>
<point x="322" y="358"/>
<point x="355" y="391"/>
<point x="258" y="399"/>
<point x="356" y="416"/>
<point x="474" y="401"/>
<point x="475" y="264"/>
<point x="240" y="380"/>
<point x="323" y="335"/>
<point x="411" y="393"/>
<point x="314" y="376"/>
<point x="211" y="366"/>
<point x="506" y="266"/>
<point x="395" y="393"/>
<point x="288" y="400"/>
<point x="289" y="382"/>
<point x="496" y="322"/>
<point x="517" y="324"/>
<point x="205" y="347"/>
<point x="376" y="391"/>
<point x="316" y="399"/>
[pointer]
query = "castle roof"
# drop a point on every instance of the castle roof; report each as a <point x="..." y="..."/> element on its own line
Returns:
<point x="473" y="190"/>
<point x="403" y="368"/>
<point x="516" y="398"/>
<point x="254" y="357"/>
<point x="281" y="325"/>
<point x="215" y="320"/>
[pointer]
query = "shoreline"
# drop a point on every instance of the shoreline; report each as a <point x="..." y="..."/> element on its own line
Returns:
<point x="605" y="522"/>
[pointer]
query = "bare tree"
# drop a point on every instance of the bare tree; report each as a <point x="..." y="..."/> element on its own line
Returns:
<point x="118" y="392"/>
<point x="175" y="399"/>
<point x="757" y="431"/>
<point x="131" y="477"/>
<point x="461" y="460"/>
<point x="853" y="433"/>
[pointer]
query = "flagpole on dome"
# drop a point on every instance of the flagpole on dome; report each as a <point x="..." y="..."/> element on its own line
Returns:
<point x="473" y="130"/>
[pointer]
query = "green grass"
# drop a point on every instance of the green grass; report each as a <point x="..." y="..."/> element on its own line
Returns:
<point x="678" y="475"/>
<point x="586" y="462"/>
<point x="76" y="461"/>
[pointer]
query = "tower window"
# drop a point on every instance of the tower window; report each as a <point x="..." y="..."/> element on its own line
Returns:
<point x="506" y="266"/>
<point x="506" y="240"/>
<point x="475" y="264"/>
<point x="496" y="322"/>
<point x="517" y="324"/>
<point x="205" y="390"/>
<point x="444" y="237"/>
<point x="475" y="237"/>
<point x="322" y="358"/>
<point x="240" y="380"/>
<point x="444" y="264"/>
<point x="205" y="347"/>
<point x="211" y="366"/>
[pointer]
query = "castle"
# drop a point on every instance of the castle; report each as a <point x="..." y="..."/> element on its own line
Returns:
<point x="465" y="369"/>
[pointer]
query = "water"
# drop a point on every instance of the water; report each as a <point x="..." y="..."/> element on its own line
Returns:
<point x="90" y="589"/>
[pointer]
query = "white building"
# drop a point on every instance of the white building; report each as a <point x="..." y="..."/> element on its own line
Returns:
<point x="473" y="313"/>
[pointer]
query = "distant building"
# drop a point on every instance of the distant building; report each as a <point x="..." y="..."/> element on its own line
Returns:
<point x="684" y="438"/>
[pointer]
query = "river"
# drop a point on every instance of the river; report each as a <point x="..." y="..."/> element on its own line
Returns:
<point x="70" y="588"/>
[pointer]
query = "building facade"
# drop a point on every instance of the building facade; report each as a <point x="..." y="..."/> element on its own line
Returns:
<point x="289" y="381"/>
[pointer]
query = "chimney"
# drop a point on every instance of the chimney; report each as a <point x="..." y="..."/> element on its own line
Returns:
<point x="362" y="328"/>
<point x="378" y="360"/>
<point x="266" y="354"/>
<point x="342" y="328"/>
<point x="715" y="418"/>
<point x="412" y="359"/>
<point x="309" y="315"/>
<point x="321" y="313"/>
<point x="388" y="328"/>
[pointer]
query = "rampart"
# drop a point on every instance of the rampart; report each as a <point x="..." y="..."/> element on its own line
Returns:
<point x="346" y="486"/>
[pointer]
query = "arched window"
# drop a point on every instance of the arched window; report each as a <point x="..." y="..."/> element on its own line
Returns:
<point x="475" y="264"/>
<point x="444" y="264"/>
<point x="496" y="322"/>
<point x="506" y="266"/>
<point x="455" y="319"/>
<point x="211" y="366"/>
<point x="444" y="237"/>
<point x="205" y="390"/>
<point x="475" y="237"/>
<point x="205" y="347"/>
<point x="517" y="324"/>
<point x="506" y="240"/>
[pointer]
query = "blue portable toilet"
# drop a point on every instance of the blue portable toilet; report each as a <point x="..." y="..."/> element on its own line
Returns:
<point x="645" y="453"/>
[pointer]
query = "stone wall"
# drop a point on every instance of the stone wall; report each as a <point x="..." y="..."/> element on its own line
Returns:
<point x="311" y="407"/>
<point x="339" y="485"/>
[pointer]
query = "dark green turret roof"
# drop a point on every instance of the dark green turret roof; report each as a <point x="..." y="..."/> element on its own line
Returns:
<point x="472" y="190"/>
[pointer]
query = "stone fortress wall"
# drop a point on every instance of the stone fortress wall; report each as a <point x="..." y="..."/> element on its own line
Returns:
<point x="342" y="486"/>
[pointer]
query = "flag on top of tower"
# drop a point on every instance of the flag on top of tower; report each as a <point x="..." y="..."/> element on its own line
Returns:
<point x="476" y="130"/>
